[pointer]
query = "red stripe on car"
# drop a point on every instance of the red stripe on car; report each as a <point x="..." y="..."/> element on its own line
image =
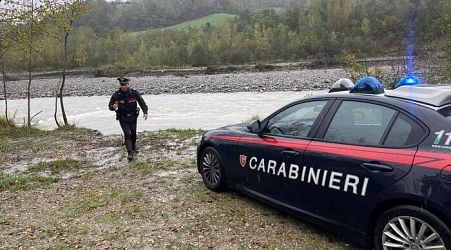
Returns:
<point x="362" y="154"/>
<point x="401" y="156"/>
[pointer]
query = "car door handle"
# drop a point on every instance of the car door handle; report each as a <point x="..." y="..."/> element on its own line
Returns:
<point x="374" y="167"/>
<point x="291" y="152"/>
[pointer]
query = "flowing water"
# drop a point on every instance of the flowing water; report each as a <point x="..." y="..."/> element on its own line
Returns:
<point x="197" y="111"/>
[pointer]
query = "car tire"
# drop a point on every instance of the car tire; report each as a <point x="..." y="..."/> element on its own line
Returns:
<point x="212" y="170"/>
<point x="410" y="227"/>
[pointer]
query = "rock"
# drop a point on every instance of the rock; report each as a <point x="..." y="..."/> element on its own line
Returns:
<point x="295" y="80"/>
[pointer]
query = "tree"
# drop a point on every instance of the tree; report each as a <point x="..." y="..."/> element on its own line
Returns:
<point x="339" y="12"/>
<point x="199" y="54"/>
<point x="31" y="27"/>
<point x="293" y="16"/>
<point x="65" y="15"/>
<point x="6" y="42"/>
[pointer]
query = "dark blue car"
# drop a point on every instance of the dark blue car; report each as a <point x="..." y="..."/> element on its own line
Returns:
<point x="370" y="165"/>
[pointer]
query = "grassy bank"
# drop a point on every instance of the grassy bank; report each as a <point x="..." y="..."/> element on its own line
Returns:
<point x="72" y="188"/>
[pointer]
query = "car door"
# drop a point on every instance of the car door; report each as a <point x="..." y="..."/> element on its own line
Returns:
<point x="365" y="148"/>
<point x="271" y="160"/>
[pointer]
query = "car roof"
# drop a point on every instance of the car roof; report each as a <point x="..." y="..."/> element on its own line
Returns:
<point x="434" y="95"/>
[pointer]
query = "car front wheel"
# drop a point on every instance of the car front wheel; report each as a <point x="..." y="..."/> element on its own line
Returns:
<point x="212" y="169"/>
<point x="409" y="227"/>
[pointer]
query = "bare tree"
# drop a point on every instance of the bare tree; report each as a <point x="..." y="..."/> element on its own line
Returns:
<point x="55" y="114"/>
<point x="7" y="30"/>
<point x="30" y="27"/>
<point x="65" y="15"/>
<point x="5" y="96"/>
<point x="30" y="54"/>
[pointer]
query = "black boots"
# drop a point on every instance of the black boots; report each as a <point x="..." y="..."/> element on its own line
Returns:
<point x="131" y="149"/>
<point x="128" y="145"/>
<point x="134" y="149"/>
<point x="130" y="156"/>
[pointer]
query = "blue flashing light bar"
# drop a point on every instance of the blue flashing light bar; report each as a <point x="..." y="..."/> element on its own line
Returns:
<point x="368" y="85"/>
<point x="408" y="81"/>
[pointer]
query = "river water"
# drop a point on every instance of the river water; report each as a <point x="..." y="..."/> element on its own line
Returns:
<point x="196" y="111"/>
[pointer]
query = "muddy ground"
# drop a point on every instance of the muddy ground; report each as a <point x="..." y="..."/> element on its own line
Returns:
<point x="73" y="188"/>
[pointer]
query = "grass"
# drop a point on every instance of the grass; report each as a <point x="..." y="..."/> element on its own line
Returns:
<point x="181" y="139"/>
<point x="214" y="20"/>
<point x="24" y="182"/>
<point x="85" y="204"/>
<point x="70" y="127"/>
<point x="20" y="132"/>
<point x="55" y="167"/>
<point x="180" y="134"/>
<point x="18" y="143"/>
<point x="126" y="210"/>
<point x="10" y="129"/>
<point x="116" y="203"/>
<point x="124" y="197"/>
<point x="4" y="122"/>
<point x="157" y="202"/>
<point x="152" y="166"/>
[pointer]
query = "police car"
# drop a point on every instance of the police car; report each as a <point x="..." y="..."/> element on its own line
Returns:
<point x="369" y="164"/>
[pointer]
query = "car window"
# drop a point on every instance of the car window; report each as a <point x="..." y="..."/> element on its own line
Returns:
<point x="359" y="123"/>
<point x="404" y="132"/>
<point x="446" y="112"/>
<point x="296" y="120"/>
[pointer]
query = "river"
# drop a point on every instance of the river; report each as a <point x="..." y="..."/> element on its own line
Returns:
<point x="182" y="111"/>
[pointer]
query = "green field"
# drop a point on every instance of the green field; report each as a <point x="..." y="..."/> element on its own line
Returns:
<point x="214" y="20"/>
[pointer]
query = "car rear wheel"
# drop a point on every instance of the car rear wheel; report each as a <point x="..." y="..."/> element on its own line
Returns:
<point x="212" y="169"/>
<point x="409" y="227"/>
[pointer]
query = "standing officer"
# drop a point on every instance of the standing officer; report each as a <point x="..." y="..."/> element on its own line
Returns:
<point x="124" y="102"/>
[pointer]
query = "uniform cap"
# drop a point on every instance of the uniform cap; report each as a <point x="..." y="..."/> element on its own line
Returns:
<point x="123" y="80"/>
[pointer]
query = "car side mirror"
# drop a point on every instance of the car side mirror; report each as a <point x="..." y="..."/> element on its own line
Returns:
<point x="256" y="127"/>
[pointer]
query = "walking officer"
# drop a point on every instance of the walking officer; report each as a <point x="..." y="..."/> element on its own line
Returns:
<point x="124" y="102"/>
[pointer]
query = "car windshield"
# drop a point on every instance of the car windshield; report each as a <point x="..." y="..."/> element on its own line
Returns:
<point x="446" y="112"/>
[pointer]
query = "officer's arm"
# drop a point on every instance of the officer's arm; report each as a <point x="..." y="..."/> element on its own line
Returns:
<point x="111" y="103"/>
<point x="142" y="103"/>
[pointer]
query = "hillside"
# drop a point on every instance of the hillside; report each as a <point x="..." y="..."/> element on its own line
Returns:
<point x="213" y="20"/>
<point x="137" y="15"/>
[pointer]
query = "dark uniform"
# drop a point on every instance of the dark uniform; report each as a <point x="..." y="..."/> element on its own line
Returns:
<point x="127" y="114"/>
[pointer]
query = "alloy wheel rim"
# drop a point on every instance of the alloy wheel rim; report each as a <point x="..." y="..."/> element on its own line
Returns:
<point x="211" y="168"/>
<point x="406" y="232"/>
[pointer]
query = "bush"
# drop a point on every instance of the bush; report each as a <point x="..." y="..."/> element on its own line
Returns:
<point x="6" y="123"/>
<point x="8" y="128"/>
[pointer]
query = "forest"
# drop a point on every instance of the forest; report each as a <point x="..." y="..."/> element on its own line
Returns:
<point x="105" y="34"/>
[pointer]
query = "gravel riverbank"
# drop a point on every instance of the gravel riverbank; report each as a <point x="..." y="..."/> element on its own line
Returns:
<point x="285" y="80"/>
